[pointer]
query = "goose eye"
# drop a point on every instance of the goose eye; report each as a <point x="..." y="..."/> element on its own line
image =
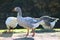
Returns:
<point x="15" y="8"/>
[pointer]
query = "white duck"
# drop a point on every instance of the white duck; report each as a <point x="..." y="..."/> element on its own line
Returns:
<point x="26" y="22"/>
<point x="11" y="22"/>
<point x="48" y="22"/>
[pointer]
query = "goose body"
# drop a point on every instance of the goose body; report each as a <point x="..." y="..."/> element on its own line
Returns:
<point x="11" y="22"/>
<point x="48" y="22"/>
<point x="28" y="22"/>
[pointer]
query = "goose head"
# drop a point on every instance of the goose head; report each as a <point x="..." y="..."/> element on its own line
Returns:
<point x="56" y="19"/>
<point x="17" y="9"/>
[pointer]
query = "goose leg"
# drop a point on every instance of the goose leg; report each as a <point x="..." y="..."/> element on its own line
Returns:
<point x="27" y="32"/>
<point x="11" y="30"/>
<point x="33" y="30"/>
<point x="8" y="30"/>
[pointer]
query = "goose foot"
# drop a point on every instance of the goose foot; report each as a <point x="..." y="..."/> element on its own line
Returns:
<point x="33" y="35"/>
<point x="33" y="32"/>
<point x="27" y="35"/>
<point x="27" y="32"/>
<point x="9" y="29"/>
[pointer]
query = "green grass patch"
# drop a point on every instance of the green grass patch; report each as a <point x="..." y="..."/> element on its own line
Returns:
<point x="24" y="30"/>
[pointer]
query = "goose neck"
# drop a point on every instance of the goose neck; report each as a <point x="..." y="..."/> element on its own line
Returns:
<point x="19" y="14"/>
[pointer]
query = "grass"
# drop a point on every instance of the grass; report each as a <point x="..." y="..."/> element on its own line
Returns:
<point x="24" y="30"/>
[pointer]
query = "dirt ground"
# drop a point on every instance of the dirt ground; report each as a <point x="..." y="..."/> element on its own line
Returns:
<point x="38" y="36"/>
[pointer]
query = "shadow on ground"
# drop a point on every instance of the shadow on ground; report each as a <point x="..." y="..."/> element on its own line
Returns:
<point x="45" y="31"/>
<point x="25" y="38"/>
<point x="6" y="34"/>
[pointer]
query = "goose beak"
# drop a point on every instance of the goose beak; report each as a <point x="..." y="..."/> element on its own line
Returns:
<point x="13" y="10"/>
<point x="57" y="18"/>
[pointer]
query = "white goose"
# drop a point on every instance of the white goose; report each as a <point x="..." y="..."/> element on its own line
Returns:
<point x="48" y="22"/>
<point x="11" y="22"/>
<point x="26" y="22"/>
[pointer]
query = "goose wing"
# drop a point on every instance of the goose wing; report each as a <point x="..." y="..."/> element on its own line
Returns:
<point x="30" y="20"/>
<point x="47" y="18"/>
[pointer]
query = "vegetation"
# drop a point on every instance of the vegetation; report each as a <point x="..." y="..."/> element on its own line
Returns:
<point x="32" y="8"/>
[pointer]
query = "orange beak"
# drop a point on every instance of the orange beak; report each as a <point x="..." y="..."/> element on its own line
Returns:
<point x="13" y="10"/>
